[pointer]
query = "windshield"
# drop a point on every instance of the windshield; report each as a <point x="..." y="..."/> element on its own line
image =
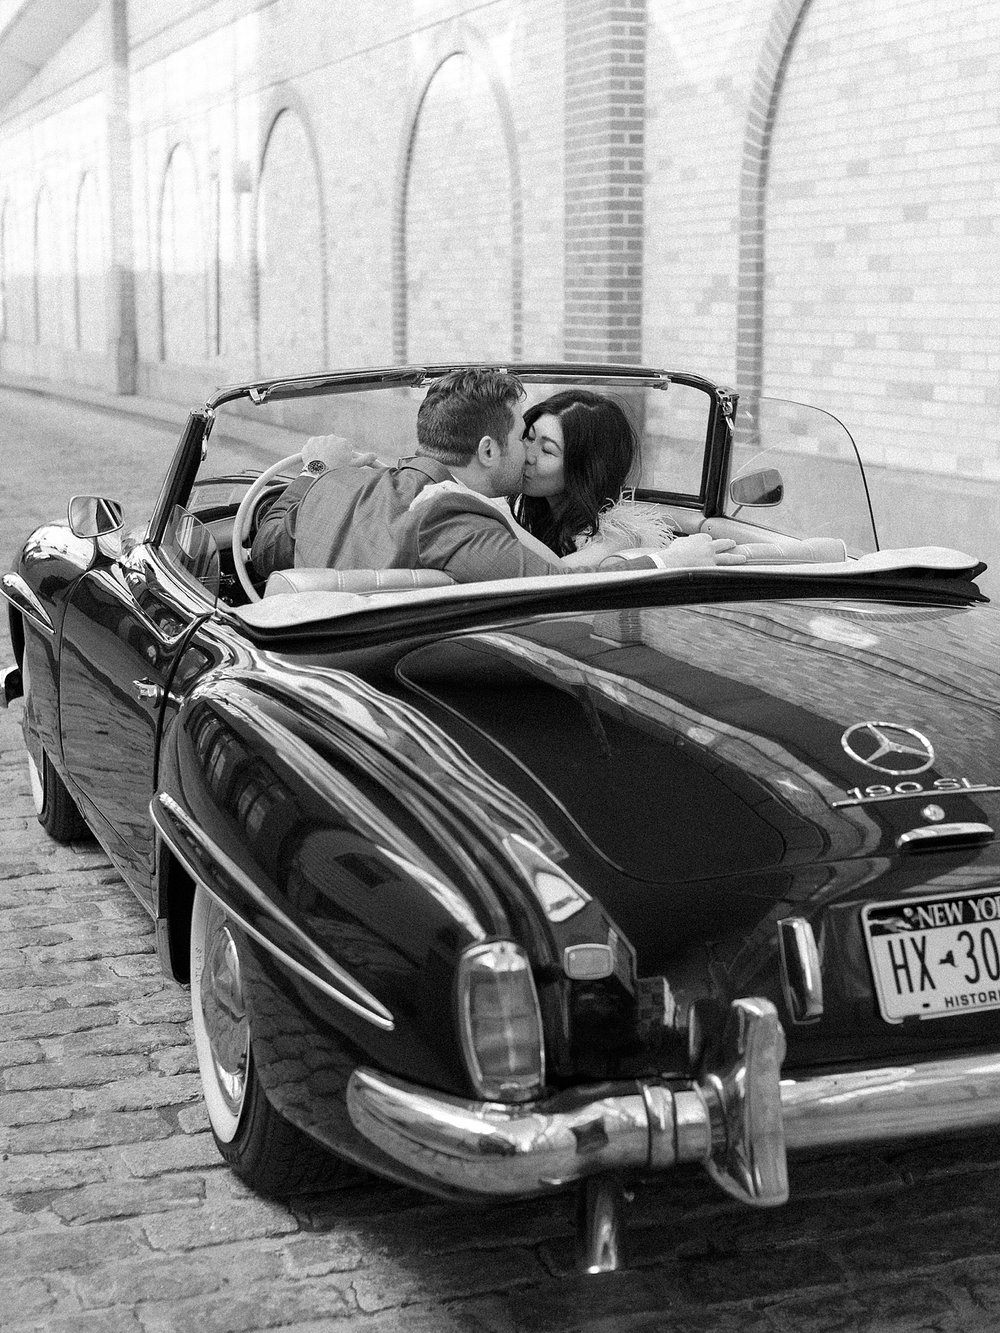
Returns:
<point x="796" y="470"/>
<point x="190" y="547"/>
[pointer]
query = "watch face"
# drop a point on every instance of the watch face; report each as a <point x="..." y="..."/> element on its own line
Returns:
<point x="315" y="466"/>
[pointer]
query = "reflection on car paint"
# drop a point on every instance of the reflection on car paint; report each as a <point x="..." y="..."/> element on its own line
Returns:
<point x="776" y="767"/>
<point x="430" y="751"/>
<point x="220" y="875"/>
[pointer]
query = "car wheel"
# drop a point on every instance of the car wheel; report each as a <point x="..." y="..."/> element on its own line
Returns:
<point x="265" y="1150"/>
<point x="55" y="808"/>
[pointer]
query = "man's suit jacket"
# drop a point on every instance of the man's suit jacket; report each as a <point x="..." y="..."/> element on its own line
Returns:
<point x="412" y="516"/>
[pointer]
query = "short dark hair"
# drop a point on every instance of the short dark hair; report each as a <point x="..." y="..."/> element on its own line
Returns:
<point x="600" y="454"/>
<point x="463" y="406"/>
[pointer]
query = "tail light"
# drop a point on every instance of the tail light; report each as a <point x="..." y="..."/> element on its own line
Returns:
<point x="500" y="1022"/>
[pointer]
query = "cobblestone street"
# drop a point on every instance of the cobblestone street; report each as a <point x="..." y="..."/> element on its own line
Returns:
<point x="117" y="1215"/>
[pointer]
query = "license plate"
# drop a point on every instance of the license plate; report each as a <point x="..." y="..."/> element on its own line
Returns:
<point x="935" y="957"/>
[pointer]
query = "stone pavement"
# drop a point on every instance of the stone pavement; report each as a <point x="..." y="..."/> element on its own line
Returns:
<point x="116" y="1215"/>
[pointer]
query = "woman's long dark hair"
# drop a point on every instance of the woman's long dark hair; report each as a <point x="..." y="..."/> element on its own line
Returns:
<point x="600" y="449"/>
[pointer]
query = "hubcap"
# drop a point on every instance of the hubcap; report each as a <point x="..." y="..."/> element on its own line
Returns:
<point x="225" y="1017"/>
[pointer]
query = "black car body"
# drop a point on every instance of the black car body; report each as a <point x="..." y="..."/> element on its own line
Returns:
<point x="499" y="887"/>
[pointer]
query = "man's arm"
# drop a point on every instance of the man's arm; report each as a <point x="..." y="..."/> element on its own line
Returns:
<point x="472" y="543"/>
<point x="274" y="545"/>
<point x="692" y="552"/>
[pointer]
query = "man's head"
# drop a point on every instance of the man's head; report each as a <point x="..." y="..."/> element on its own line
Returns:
<point x="470" y="421"/>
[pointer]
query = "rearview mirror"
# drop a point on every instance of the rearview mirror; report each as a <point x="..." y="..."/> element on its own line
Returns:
<point x="91" y="516"/>
<point x="758" y="489"/>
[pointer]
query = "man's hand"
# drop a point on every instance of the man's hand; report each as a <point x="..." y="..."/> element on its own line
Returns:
<point x="333" y="451"/>
<point x="700" y="549"/>
<point x="696" y="552"/>
<point x="330" y="450"/>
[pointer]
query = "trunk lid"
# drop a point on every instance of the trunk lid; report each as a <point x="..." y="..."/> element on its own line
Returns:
<point x="690" y="743"/>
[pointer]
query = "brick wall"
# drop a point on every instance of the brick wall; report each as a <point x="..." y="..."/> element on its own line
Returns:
<point x="877" y="297"/>
<point x="883" y="221"/>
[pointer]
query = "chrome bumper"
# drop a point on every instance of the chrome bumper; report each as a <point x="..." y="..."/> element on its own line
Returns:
<point x="737" y="1121"/>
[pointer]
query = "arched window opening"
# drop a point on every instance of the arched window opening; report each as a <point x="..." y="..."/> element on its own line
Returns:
<point x="89" y="312"/>
<point x="183" y="287"/>
<point x="47" y="274"/>
<point x="458" y="222"/>
<point x="291" y="298"/>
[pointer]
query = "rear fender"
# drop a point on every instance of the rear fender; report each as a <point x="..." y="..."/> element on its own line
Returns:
<point x="350" y="913"/>
<point x="477" y="832"/>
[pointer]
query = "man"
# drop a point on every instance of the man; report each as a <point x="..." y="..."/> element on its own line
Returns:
<point x="441" y="509"/>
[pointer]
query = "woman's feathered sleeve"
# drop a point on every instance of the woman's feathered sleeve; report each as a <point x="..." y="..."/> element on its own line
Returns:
<point x="630" y="524"/>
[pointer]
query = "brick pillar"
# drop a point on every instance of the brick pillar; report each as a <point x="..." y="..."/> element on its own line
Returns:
<point x="786" y="21"/>
<point x="604" y="136"/>
<point x="122" y="338"/>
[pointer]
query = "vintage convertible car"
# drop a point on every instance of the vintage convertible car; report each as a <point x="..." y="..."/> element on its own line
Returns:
<point x="505" y="887"/>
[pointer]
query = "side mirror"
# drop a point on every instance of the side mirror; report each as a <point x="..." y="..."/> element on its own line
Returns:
<point x="758" y="489"/>
<point x="90" y="516"/>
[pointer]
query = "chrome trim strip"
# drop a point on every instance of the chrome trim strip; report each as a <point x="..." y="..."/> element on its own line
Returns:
<point x="361" y="1002"/>
<point x="17" y="592"/>
<point x="952" y="834"/>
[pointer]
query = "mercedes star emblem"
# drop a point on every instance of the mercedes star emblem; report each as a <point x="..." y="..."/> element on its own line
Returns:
<point x="888" y="748"/>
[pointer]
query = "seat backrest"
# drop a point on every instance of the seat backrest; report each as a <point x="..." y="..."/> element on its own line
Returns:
<point x="354" y="580"/>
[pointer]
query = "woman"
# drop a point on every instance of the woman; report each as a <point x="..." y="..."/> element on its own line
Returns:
<point x="580" y="450"/>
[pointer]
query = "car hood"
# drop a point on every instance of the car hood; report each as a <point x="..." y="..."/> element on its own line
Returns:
<point x="679" y="744"/>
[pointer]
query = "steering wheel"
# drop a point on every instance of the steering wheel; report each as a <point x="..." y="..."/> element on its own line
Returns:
<point x="241" y="552"/>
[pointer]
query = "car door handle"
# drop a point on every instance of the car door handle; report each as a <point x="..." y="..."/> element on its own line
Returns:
<point x="148" y="690"/>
